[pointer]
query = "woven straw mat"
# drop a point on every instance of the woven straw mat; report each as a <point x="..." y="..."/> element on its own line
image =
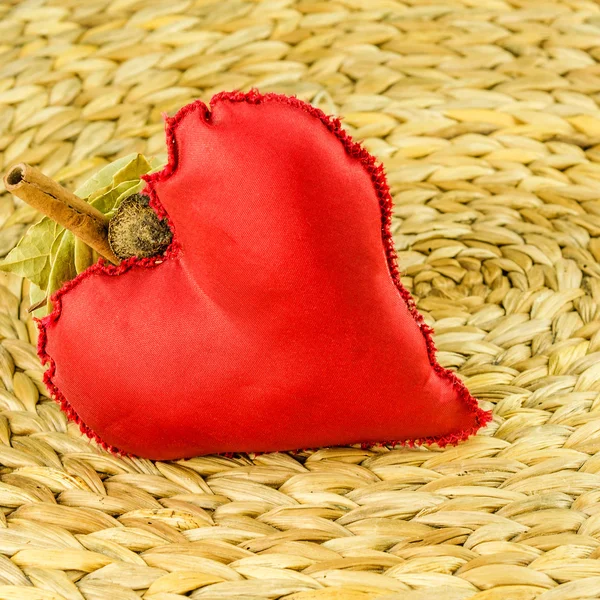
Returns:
<point x="485" y="114"/>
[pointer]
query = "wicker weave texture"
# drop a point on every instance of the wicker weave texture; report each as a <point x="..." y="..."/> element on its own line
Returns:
<point x="485" y="114"/>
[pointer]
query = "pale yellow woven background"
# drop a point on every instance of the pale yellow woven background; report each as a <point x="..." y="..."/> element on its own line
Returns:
<point x="485" y="113"/>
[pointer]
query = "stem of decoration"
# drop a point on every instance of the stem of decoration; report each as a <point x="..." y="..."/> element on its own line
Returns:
<point x="64" y="207"/>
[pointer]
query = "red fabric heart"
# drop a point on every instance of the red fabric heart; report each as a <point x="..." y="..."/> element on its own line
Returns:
<point x="276" y="320"/>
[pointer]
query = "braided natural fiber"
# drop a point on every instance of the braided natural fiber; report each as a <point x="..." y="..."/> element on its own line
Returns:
<point x="485" y="113"/>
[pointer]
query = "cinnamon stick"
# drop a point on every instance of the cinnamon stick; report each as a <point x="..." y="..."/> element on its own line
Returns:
<point x="64" y="207"/>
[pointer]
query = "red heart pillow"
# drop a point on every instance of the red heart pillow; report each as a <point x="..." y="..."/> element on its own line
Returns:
<point x="276" y="320"/>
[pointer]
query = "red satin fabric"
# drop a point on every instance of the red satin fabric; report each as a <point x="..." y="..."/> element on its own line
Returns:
<point x="277" y="325"/>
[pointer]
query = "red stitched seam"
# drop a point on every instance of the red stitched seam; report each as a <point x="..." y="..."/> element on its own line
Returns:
<point x="377" y="175"/>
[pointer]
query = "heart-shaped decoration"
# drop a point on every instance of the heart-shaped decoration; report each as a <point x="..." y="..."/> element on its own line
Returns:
<point x="275" y="320"/>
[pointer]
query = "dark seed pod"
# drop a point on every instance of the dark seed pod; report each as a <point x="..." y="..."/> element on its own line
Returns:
<point x="135" y="230"/>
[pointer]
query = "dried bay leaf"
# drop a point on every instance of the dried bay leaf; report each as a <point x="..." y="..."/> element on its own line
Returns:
<point x="31" y="257"/>
<point x="103" y="177"/>
<point x="54" y="248"/>
<point x="132" y="170"/>
<point x="83" y="256"/>
<point x="108" y="202"/>
<point x="63" y="265"/>
<point x="136" y="187"/>
<point x="36" y="295"/>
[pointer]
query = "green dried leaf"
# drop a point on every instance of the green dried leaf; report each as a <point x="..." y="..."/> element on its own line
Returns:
<point x="103" y="177"/>
<point x="134" y="189"/>
<point x="133" y="170"/>
<point x="31" y="257"/>
<point x="55" y="245"/>
<point x="36" y="295"/>
<point x="83" y="256"/>
<point x="63" y="266"/>
<point x="108" y="202"/>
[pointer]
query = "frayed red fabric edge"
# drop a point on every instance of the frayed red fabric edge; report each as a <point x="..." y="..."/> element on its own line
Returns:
<point x="377" y="174"/>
